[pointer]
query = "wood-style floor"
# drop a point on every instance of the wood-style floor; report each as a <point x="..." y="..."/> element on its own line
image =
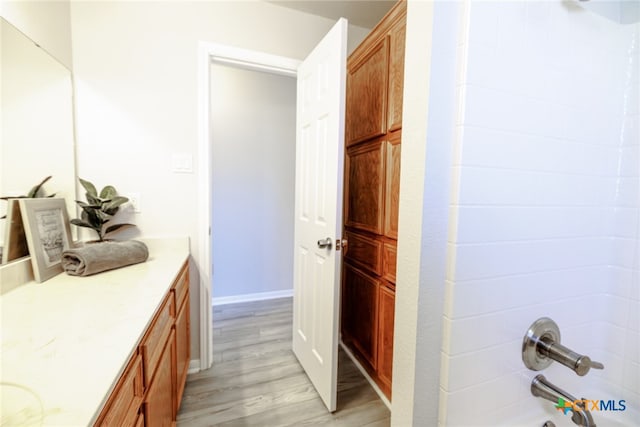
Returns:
<point x="257" y="381"/>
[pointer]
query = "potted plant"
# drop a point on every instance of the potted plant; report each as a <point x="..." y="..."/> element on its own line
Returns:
<point x="100" y="209"/>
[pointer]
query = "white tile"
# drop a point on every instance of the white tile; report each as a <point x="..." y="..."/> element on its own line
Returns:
<point x="628" y="192"/>
<point x="620" y="281"/>
<point x="624" y="222"/>
<point x="623" y="252"/>
<point x="483" y="365"/>
<point x="487" y="186"/>
<point x="476" y="297"/>
<point x="480" y="400"/>
<point x="478" y="261"/>
<point x="492" y="148"/>
<point x="632" y="348"/>
<point x="476" y="224"/>
<point x="630" y="161"/>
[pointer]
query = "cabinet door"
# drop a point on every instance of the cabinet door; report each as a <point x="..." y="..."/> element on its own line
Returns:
<point x="367" y="94"/>
<point x="396" y="74"/>
<point x="158" y="408"/>
<point x="182" y="350"/>
<point x="364" y="170"/>
<point x="385" y="338"/>
<point x="124" y="402"/>
<point x="392" y="186"/>
<point x="360" y="312"/>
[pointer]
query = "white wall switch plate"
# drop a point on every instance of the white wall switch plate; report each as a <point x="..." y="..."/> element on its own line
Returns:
<point x="182" y="163"/>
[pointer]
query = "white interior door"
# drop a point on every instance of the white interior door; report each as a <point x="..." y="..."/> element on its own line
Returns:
<point x="318" y="210"/>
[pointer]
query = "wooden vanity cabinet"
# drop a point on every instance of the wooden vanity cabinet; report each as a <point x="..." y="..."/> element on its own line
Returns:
<point x="373" y="136"/>
<point x="150" y="390"/>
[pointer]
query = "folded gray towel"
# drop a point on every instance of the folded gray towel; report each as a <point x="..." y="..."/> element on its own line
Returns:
<point x="97" y="257"/>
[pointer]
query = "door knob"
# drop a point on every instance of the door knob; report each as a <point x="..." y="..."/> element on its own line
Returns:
<point x="325" y="243"/>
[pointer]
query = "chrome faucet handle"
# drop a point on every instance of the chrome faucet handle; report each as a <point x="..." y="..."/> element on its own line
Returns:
<point x="581" y="364"/>
<point x="541" y="345"/>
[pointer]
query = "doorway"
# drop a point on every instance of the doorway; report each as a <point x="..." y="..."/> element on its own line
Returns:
<point x="253" y="139"/>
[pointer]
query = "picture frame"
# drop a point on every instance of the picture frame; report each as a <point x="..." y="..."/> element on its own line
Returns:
<point x="46" y="226"/>
<point x="15" y="241"/>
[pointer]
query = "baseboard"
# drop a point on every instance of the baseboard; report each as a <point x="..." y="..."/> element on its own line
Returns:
<point x="252" y="297"/>
<point x="366" y="375"/>
<point x="194" y="366"/>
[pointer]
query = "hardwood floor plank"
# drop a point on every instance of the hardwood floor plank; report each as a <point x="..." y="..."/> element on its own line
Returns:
<point x="256" y="379"/>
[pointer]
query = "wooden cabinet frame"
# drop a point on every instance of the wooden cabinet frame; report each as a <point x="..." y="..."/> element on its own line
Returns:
<point x="373" y="130"/>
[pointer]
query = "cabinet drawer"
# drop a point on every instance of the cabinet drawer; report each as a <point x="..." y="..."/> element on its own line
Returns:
<point x="155" y="339"/>
<point x="122" y="407"/>
<point x="181" y="286"/>
<point x="364" y="252"/>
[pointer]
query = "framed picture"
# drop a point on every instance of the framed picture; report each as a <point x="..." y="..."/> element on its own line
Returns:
<point x="46" y="226"/>
<point x="15" y="242"/>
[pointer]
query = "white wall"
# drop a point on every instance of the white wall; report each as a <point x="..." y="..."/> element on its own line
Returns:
<point x="545" y="208"/>
<point x="253" y="137"/>
<point x="135" y="66"/>
<point x="45" y="22"/>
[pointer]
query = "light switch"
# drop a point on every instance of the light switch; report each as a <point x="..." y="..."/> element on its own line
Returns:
<point x="182" y="163"/>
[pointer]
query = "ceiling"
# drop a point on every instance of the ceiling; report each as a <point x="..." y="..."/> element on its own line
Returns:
<point x="363" y="13"/>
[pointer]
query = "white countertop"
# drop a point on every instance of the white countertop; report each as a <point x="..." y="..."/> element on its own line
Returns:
<point x="65" y="342"/>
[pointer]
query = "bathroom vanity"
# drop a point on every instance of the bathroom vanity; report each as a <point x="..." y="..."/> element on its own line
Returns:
<point x="109" y="349"/>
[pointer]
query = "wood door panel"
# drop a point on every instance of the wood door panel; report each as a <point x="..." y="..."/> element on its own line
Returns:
<point x="364" y="252"/>
<point x="396" y="74"/>
<point x="392" y="186"/>
<point x="364" y="170"/>
<point x="159" y="402"/>
<point x="122" y="408"/>
<point x="360" y="312"/>
<point x="387" y="303"/>
<point x="367" y="95"/>
<point x="156" y="337"/>
<point x="389" y="254"/>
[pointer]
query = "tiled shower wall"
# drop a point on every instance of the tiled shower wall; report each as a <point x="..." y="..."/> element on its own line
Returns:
<point x="545" y="207"/>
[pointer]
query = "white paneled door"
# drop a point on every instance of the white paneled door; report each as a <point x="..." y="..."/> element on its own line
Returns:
<point x="318" y="210"/>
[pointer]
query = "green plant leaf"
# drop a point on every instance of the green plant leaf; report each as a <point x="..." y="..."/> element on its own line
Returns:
<point x="91" y="189"/>
<point x="92" y="217"/>
<point x="93" y="200"/>
<point x="113" y="206"/>
<point x="33" y="193"/>
<point x="108" y="192"/>
<point x="116" y="227"/>
<point x="81" y="223"/>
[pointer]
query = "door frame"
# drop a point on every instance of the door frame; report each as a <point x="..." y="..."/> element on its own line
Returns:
<point x="252" y="60"/>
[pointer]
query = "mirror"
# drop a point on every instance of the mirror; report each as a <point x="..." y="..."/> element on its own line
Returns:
<point x="36" y="122"/>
